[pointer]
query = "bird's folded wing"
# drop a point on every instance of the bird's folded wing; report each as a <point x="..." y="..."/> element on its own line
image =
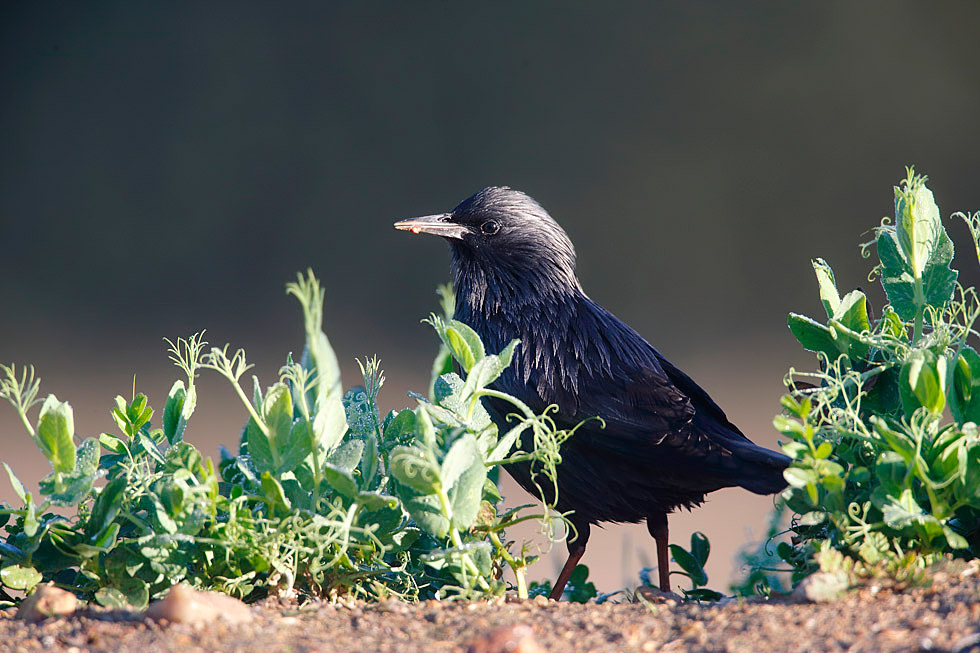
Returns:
<point x="647" y="416"/>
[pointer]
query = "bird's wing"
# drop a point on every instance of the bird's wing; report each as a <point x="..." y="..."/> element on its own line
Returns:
<point x="650" y="407"/>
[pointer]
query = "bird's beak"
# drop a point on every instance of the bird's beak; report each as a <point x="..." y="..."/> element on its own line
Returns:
<point x="437" y="225"/>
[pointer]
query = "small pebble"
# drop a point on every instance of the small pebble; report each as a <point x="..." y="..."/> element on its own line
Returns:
<point x="47" y="601"/>
<point x="184" y="604"/>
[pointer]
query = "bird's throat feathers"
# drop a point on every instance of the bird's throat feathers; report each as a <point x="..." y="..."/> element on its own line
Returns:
<point x="523" y="281"/>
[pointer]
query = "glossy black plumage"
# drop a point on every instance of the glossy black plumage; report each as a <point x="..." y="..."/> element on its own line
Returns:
<point x="665" y="443"/>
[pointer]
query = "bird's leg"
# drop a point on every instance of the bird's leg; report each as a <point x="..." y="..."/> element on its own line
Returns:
<point x="657" y="525"/>
<point x="576" y="549"/>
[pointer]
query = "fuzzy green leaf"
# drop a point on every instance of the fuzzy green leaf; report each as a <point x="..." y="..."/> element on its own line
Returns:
<point x="410" y="466"/>
<point x="340" y="480"/>
<point x="852" y="312"/>
<point x="814" y="336"/>
<point x="828" y="286"/>
<point x="296" y="447"/>
<point x="464" y="344"/>
<point x="20" y="577"/>
<point x="55" y="433"/>
<point x="458" y="459"/>
<point x="916" y="250"/>
<point x="16" y="484"/>
<point x="964" y="394"/>
<point x="178" y="410"/>
<point x="467" y="493"/>
<point x="424" y="509"/>
<point x="71" y="489"/>
<point x="347" y="455"/>
<point x="923" y="383"/>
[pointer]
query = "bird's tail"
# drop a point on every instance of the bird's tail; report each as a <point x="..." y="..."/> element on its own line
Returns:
<point x="762" y="469"/>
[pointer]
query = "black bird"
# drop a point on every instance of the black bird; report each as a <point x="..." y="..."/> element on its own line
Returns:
<point x="664" y="443"/>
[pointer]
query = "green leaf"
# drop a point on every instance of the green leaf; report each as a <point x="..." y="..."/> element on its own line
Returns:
<point x="954" y="539"/>
<point x="700" y="547"/>
<point x="853" y="312"/>
<point x="918" y="226"/>
<point x="16" y="484"/>
<point x="425" y="427"/>
<point x="884" y="397"/>
<point x="939" y="281"/>
<point x="789" y="426"/>
<point x="824" y="450"/>
<point x="112" y="443"/>
<point x="71" y="489"/>
<point x="891" y="469"/>
<point x="296" y="447"/>
<point x="964" y="394"/>
<point x="896" y="275"/>
<point x="424" y="509"/>
<point x="375" y="501"/>
<point x="484" y="372"/>
<point x="703" y="594"/>
<point x="813" y="518"/>
<point x="410" y="466"/>
<point x="277" y="413"/>
<point x="362" y="413"/>
<point x="902" y="511"/>
<point x="177" y="411"/>
<point x="107" y="505"/>
<point x="347" y="455"/>
<point x="453" y="394"/>
<point x="401" y="429"/>
<point x="467" y="493"/>
<point x="150" y="447"/>
<point x="799" y="477"/>
<point x="259" y="447"/>
<point x="55" y="433"/>
<point x="828" y="286"/>
<point x="459" y="458"/>
<point x="506" y="443"/>
<point x="330" y="423"/>
<point x="135" y="591"/>
<point x="814" y="336"/>
<point x="111" y="597"/>
<point x="31" y="524"/>
<point x="689" y="564"/>
<point x="340" y="480"/>
<point x="915" y="253"/>
<point x="20" y="577"/>
<point x="464" y="344"/>
<point x="923" y="382"/>
<point x="274" y="494"/>
<point x="579" y="589"/>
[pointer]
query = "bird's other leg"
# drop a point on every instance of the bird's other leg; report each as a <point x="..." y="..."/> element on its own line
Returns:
<point x="657" y="525"/>
<point x="576" y="549"/>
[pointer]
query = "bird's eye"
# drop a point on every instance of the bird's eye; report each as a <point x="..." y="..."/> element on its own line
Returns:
<point x="490" y="227"/>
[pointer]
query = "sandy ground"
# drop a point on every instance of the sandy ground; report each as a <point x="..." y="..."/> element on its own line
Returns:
<point x="875" y="617"/>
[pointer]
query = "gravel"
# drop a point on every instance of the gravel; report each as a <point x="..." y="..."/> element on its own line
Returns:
<point x="877" y="616"/>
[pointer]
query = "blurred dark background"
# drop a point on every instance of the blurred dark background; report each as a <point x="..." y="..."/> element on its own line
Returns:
<point x="167" y="167"/>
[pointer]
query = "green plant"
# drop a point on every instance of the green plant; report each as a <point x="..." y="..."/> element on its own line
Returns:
<point x="324" y="495"/>
<point x="884" y="440"/>
<point x="691" y="562"/>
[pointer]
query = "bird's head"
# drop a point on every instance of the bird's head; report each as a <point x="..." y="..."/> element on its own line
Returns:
<point x="505" y="237"/>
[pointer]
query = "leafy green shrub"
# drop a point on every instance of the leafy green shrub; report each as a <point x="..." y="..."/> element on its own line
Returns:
<point x="884" y="440"/>
<point x="324" y="496"/>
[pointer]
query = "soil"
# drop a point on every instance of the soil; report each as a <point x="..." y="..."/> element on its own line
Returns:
<point x="877" y="616"/>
